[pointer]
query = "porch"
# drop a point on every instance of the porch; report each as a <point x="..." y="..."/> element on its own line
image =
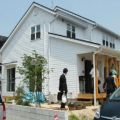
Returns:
<point x="103" y="61"/>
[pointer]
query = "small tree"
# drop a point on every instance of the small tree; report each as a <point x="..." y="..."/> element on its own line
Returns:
<point x="33" y="69"/>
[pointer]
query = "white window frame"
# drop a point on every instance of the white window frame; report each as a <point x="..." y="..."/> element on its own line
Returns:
<point x="36" y="32"/>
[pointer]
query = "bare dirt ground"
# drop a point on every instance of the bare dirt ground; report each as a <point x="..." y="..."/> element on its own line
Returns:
<point x="86" y="114"/>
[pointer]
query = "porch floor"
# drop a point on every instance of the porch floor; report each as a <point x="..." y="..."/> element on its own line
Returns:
<point x="90" y="96"/>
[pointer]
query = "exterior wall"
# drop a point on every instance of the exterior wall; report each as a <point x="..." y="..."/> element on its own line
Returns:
<point x="64" y="54"/>
<point x="21" y="43"/>
<point x="97" y="36"/>
<point x="62" y="25"/>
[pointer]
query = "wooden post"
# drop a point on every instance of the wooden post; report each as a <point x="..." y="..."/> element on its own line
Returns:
<point x="94" y="64"/>
<point x="96" y="74"/>
<point x="106" y="66"/>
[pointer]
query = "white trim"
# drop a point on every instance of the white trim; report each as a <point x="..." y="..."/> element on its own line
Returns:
<point x="74" y="41"/>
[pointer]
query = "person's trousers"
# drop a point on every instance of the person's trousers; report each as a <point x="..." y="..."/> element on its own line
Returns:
<point x="63" y="104"/>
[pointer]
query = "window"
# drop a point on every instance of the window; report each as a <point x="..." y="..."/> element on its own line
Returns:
<point x="35" y="32"/>
<point x="70" y="31"/>
<point x="106" y="43"/>
<point x="113" y="45"/>
<point x="110" y="45"/>
<point x="103" y="42"/>
<point x="11" y="79"/>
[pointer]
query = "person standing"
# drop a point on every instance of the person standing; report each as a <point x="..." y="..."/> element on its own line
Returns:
<point x="63" y="85"/>
<point x="92" y="79"/>
<point x="110" y="85"/>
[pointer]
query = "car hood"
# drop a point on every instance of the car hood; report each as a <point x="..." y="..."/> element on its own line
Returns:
<point x="111" y="109"/>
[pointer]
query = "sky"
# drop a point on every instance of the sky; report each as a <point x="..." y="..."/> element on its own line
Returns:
<point x="104" y="12"/>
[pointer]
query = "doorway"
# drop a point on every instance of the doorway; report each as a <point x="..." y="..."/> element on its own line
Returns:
<point x="88" y="81"/>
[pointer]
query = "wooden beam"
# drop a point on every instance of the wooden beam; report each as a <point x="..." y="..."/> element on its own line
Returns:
<point x="96" y="74"/>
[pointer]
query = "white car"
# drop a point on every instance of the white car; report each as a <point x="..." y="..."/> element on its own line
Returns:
<point x="2" y="110"/>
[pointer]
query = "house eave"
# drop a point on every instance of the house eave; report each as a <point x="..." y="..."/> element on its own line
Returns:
<point x="77" y="41"/>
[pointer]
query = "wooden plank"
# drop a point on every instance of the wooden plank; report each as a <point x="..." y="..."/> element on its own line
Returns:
<point x="89" y="96"/>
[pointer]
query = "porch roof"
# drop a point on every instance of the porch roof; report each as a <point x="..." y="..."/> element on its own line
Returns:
<point x="110" y="52"/>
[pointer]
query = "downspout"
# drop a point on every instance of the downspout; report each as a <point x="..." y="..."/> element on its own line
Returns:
<point x="94" y="65"/>
<point x="49" y="49"/>
<point x="91" y="35"/>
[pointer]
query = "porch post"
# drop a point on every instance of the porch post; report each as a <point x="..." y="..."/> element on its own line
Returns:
<point x="94" y="66"/>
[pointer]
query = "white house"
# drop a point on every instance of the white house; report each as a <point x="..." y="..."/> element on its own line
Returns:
<point x="65" y="39"/>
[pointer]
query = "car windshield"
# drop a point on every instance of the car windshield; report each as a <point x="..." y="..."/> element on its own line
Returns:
<point x="115" y="95"/>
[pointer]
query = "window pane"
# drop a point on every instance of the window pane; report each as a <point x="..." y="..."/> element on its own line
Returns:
<point x="106" y="43"/>
<point x="110" y="45"/>
<point x="113" y="45"/>
<point x="38" y="28"/>
<point x="103" y="42"/>
<point x="73" y="35"/>
<point x="11" y="79"/>
<point x="32" y="36"/>
<point x="38" y="35"/>
<point x="68" y="27"/>
<point x="73" y="28"/>
<point x="32" y="30"/>
<point x="68" y="34"/>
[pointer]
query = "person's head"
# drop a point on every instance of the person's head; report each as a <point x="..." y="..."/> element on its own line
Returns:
<point x="110" y="73"/>
<point x="65" y="70"/>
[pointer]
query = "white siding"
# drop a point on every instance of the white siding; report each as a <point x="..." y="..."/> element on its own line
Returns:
<point x="21" y="42"/>
<point x="64" y="54"/>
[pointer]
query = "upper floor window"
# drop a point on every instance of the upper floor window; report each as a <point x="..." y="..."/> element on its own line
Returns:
<point x="35" y="32"/>
<point x="108" y="41"/>
<point x="111" y="45"/>
<point x="103" y="42"/>
<point x="70" y="31"/>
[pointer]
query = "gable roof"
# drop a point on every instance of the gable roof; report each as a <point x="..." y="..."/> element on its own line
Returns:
<point x="34" y="4"/>
<point x="74" y="14"/>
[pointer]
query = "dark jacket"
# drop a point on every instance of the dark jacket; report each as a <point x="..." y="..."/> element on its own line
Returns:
<point x="110" y="84"/>
<point x="62" y="83"/>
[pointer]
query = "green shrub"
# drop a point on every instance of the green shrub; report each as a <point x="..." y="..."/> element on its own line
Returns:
<point x="19" y="101"/>
<point x="26" y="103"/>
<point x="73" y="117"/>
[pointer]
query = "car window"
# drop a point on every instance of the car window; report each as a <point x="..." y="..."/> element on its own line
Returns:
<point x="115" y="95"/>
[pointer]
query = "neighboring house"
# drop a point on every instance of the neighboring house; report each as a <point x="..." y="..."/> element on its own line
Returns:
<point x="65" y="39"/>
<point x="2" y="41"/>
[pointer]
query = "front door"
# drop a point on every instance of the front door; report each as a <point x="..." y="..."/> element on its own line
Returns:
<point x="88" y="81"/>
